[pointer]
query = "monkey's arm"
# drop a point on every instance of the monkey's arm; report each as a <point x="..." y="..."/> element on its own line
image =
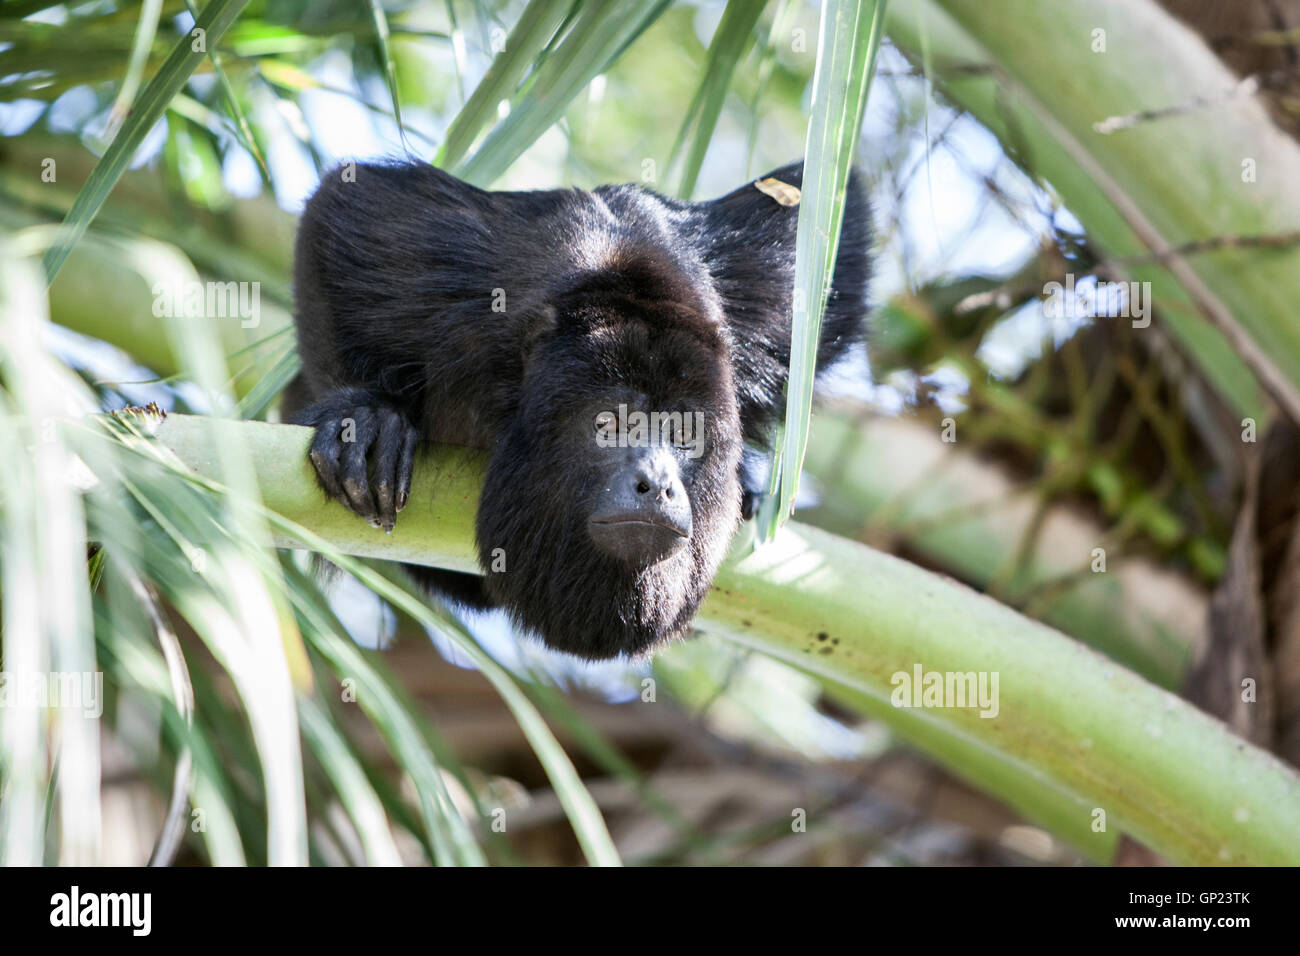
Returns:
<point x="383" y="310"/>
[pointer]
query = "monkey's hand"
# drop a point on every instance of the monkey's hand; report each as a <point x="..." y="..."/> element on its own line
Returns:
<point x="363" y="452"/>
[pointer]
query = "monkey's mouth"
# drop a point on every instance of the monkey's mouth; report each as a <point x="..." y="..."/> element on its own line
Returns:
<point x="639" y="538"/>
<point x="641" y="519"/>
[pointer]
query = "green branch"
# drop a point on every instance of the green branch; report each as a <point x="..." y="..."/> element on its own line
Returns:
<point x="1074" y="733"/>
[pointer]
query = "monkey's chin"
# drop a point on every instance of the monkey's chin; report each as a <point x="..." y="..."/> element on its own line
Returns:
<point x="577" y="599"/>
<point x="638" y="542"/>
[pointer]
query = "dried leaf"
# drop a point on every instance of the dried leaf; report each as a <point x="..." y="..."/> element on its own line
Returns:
<point x="783" y="193"/>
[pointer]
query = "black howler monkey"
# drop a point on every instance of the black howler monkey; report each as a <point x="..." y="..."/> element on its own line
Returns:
<point x="547" y="328"/>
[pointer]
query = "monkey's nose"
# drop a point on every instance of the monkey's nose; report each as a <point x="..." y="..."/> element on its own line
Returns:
<point x="644" y="514"/>
<point x="655" y="479"/>
<point x="648" y="487"/>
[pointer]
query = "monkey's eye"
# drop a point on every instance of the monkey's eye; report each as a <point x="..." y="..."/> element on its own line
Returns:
<point x="685" y="432"/>
<point x="606" y="423"/>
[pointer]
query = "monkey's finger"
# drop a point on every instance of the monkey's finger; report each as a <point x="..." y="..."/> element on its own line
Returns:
<point x="405" y="466"/>
<point x="355" y="480"/>
<point x="324" y="454"/>
<point x="388" y="447"/>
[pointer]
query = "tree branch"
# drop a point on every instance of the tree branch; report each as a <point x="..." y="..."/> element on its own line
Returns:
<point x="1073" y="733"/>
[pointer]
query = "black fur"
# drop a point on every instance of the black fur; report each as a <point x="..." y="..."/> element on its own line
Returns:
<point x="618" y="294"/>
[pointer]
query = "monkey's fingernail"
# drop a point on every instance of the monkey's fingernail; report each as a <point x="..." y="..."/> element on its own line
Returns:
<point x="401" y="501"/>
<point x="374" y="523"/>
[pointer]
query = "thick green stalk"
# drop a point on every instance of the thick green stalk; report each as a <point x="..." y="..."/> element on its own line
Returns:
<point x="897" y="478"/>
<point x="1073" y="734"/>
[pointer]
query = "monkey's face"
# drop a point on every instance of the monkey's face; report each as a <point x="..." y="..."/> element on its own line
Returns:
<point x="643" y="460"/>
<point x="625" y="449"/>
